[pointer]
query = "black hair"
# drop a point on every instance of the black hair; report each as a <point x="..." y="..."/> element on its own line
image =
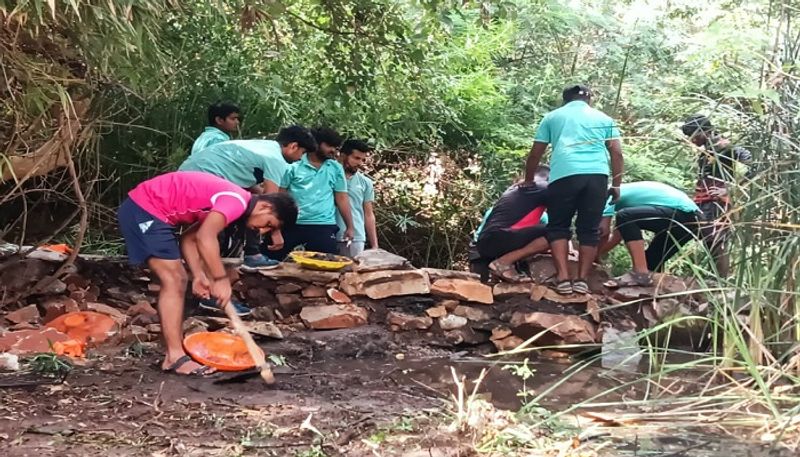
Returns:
<point x="297" y="134"/>
<point x="576" y="92"/>
<point x="695" y="123"/>
<point x="327" y="135"/>
<point x="355" y="145"/>
<point x="282" y="204"/>
<point x="221" y="109"/>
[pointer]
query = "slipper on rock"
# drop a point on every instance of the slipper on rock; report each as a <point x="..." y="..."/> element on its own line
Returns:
<point x="508" y="273"/>
<point x="630" y="279"/>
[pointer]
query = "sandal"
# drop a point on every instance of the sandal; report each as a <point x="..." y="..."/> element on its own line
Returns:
<point x="630" y="279"/>
<point x="561" y="287"/>
<point x="580" y="286"/>
<point x="507" y="273"/>
<point x="202" y="371"/>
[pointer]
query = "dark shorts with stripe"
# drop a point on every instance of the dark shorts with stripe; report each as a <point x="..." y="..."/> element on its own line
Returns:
<point x="145" y="235"/>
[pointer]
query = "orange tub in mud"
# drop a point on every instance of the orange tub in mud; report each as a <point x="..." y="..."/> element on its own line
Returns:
<point x="223" y="351"/>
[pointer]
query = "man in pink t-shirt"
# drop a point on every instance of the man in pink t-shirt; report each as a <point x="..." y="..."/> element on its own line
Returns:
<point x="204" y="205"/>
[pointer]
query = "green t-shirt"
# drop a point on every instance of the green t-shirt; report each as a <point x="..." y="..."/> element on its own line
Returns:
<point x="360" y="190"/>
<point x="242" y="162"/>
<point x="210" y="135"/>
<point x="313" y="190"/>
<point x="578" y="134"/>
<point x="650" y="193"/>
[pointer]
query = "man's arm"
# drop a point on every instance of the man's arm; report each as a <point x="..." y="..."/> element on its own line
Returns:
<point x="191" y="254"/>
<point x="343" y="205"/>
<point x="208" y="248"/>
<point x="534" y="158"/>
<point x="369" y="224"/>
<point x="614" y="147"/>
<point x="270" y="187"/>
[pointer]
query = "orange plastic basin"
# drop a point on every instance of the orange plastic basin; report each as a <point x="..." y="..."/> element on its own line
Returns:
<point x="223" y="351"/>
<point x="85" y="326"/>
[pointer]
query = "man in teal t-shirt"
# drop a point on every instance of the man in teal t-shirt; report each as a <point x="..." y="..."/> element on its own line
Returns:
<point x="582" y="138"/>
<point x="223" y="121"/>
<point x="656" y="207"/>
<point x="317" y="183"/>
<point x="256" y="165"/>
<point x="361" y="192"/>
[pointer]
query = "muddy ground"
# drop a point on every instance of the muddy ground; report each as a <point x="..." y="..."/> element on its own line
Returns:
<point x="345" y="392"/>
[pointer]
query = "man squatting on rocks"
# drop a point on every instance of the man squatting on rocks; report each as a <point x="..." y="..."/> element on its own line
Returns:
<point x="202" y="205"/>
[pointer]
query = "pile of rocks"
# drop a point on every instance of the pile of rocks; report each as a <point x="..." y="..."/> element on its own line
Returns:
<point x="438" y="307"/>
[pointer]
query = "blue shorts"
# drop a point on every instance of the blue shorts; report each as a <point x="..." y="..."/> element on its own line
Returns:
<point x="145" y="235"/>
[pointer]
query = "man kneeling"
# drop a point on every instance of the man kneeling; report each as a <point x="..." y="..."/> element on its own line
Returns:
<point x="513" y="229"/>
<point x="204" y="204"/>
<point x="648" y="205"/>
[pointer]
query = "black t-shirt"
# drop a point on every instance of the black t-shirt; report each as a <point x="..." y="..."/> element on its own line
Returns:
<point x="515" y="203"/>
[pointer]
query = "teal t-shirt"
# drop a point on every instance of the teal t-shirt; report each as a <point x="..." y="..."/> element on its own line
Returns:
<point x="578" y="134"/>
<point x="210" y="135"/>
<point x="360" y="190"/>
<point x="242" y="162"/>
<point x="650" y="193"/>
<point x="313" y="190"/>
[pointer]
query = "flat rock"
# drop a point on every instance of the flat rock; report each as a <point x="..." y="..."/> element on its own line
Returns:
<point x="288" y="288"/>
<point x="436" y="311"/>
<point x="452" y="322"/>
<point x="31" y="341"/>
<point x="333" y="316"/>
<point x="505" y="289"/>
<point x="266" y="329"/>
<point x="669" y="285"/>
<point x="435" y="274"/>
<point x="142" y="307"/>
<point x="58" y="306"/>
<point x="338" y="296"/>
<point x="293" y="271"/>
<point x="53" y="287"/>
<point x="465" y="336"/>
<point x="378" y="259"/>
<point x="408" y="322"/>
<point x="27" y="314"/>
<point x="540" y="292"/>
<point x="633" y="293"/>
<point x="289" y="303"/>
<point x="508" y="343"/>
<point x="263" y="313"/>
<point x="498" y="333"/>
<point x="463" y="289"/>
<point x="471" y="313"/>
<point x="314" y="291"/>
<point x="449" y="305"/>
<point x="114" y="313"/>
<point x="384" y="284"/>
<point x="215" y="323"/>
<point x="569" y="329"/>
<point x="190" y="325"/>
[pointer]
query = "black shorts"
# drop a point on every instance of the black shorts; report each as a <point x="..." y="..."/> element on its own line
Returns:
<point x="318" y="238"/>
<point x="500" y="242"/>
<point x="584" y="195"/>
<point x="145" y="235"/>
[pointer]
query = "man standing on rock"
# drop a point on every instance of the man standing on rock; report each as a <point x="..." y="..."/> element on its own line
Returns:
<point x="668" y="213"/>
<point x="317" y="183"/>
<point x="582" y="140"/>
<point x="716" y="172"/>
<point x="361" y="192"/>
<point x="258" y="166"/>
<point x="203" y="205"/>
<point x="223" y="121"/>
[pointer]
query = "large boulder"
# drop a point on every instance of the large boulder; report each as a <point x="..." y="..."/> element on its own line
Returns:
<point x="463" y="289"/>
<point x="384" y="284"/>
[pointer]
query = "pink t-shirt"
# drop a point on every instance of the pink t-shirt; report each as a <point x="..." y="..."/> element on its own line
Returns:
<point x="186" y="197"/>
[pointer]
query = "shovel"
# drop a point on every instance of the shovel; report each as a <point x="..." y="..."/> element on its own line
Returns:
<point x="255" y="352"/>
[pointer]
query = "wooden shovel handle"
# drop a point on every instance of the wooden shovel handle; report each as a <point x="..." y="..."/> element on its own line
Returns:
<point x="255" y="352"/>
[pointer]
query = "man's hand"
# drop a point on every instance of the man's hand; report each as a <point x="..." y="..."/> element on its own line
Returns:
<point x="349" y="233"/>
<point x="221" y="290"/>
<point x="613" y="192"/>
<point x="201" y="287"/>
<point x="277" y="241"/>
<point x="718" y="192"/>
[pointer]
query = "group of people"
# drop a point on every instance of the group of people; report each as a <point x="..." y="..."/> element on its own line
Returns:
<point x="536" y="215"/>
<point x="263" y="197"/>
